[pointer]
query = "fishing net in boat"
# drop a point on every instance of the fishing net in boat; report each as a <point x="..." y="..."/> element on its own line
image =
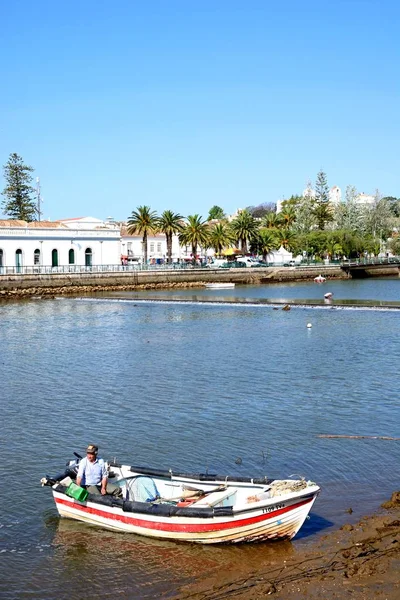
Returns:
<point x="142" y="489"/>
<point x="278" y="488"/>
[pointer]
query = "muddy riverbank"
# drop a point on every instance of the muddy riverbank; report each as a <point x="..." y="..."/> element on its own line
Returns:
<point x="360" y="561"/>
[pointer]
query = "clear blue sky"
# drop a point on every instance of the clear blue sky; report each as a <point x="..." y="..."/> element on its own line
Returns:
<point x="183" y="104"/>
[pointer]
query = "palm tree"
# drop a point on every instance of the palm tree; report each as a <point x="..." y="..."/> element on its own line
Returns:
<point x="221" y="237"/>
<point x="143" y="221"/>
<point x="194" y="233"/>
<point x="286" y="238"/>
<point x="267" y="242"/>
<point x="287" y="216"/>
<point x="272" y="220"/>
<point x="244" y="226"/>
<point x="170" y="224"/>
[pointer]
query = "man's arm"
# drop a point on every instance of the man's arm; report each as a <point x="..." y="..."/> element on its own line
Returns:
<point x="80" y="472"/>
<point x="104" y="478"/>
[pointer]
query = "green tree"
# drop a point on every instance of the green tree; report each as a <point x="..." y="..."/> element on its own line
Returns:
<point x="170" y="224"/>
<point x="220" y="237"/>
<point x="379" y="220"/>
<point x="195" y="233"/>
<point x="323" y="209"/>
<point x="244" y="227"/>
<point x="216" y="213"/>
<point x="394" y="245"/>
<point x="18" y="191"/>
<point x="272" y="220"/>
<point x="143" y="221"/>
<point x="321" y="188"/>
<point x="323" y="214"/>
<point x="394" y="205"/>
<point x="349" y="214"/>
<point x="266" y="242"/>
<point x="305" y="216"/>
<point x="291" y="202"/>
<point x="288" y="216"/>
<point x="286" y="238"/>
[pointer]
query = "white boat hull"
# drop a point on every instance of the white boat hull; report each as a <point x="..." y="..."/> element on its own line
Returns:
<point x="281" y="521"/>
<point x="227" y="511"/>
<point x="220" y="286"/>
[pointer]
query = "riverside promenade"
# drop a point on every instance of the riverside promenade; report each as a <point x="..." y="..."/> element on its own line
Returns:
<point x="96" y="280"/>
<point x="55" y="283"/>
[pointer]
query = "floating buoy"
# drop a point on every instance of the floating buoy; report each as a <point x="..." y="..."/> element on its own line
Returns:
<point x="286" y="307"/>
<point x="309" y="325"/>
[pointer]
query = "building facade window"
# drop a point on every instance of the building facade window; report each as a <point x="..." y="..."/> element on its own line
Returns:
<point x="159" y="247"/>
<point x="71" y="256"/>
<point x="88" y="257"/>
<point x="18" y="260"/>
<point x="152" y="247"/>
<point x="1" y="258"/>
<point x="54" y="257"/>
<point x="36" y="257"/>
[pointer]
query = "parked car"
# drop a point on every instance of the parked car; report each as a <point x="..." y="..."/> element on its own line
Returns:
<point x="248" y="261"/>
<point x="290" y="263"/>
<point x="218" y="263"/>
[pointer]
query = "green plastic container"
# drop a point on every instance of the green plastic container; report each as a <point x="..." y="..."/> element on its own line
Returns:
<point x="77" y="492"/>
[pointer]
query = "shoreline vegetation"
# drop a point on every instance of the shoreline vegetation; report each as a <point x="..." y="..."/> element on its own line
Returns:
<point x="358" y="561"/>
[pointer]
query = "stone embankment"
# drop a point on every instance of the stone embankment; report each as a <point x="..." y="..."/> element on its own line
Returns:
<point x="55" y="284"/>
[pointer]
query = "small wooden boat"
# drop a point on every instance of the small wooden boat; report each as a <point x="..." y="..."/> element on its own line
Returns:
<point x="218" y="286"/>
<point x="200" y="508"/>
<point x="319" y="279"/>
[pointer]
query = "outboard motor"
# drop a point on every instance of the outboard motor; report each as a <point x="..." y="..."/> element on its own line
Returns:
<point x="70" y="471"/>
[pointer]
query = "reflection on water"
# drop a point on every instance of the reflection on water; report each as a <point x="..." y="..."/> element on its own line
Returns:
<point x="159" y="566"/>
<point x="190" y="387"/>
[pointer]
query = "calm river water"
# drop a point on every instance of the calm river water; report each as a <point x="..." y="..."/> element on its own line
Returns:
<point x="191" y="387"/>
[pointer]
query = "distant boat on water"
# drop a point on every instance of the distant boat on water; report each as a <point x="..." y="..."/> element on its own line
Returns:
<point x="215" y="286"/>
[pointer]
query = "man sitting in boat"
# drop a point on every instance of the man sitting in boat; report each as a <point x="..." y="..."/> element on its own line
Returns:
<point x="92" y="474"/>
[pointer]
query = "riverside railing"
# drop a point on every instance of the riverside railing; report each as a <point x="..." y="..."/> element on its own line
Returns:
<point x="82" y="269"/>
<point x="76" y="269"/>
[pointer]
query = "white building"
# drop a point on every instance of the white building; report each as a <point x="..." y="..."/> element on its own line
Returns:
<point x="365" y="199"/>
<point x="24" y="247"/>
<point x="335" y="195"/>
<point x="83" y="242"/>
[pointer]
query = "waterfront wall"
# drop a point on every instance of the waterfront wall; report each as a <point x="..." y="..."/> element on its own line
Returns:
<point x="86" y="283"/>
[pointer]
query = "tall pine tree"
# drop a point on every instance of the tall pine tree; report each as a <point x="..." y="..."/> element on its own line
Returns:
<point x="18" y="191"/>
<point x="323" y="208"/>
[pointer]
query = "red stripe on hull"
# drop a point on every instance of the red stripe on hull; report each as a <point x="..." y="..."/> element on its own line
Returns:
<point x="181" y="527"/>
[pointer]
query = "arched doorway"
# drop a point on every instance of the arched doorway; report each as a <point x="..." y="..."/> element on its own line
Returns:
<point x="71" y="257"/>
<point x="88" y="257"/>
<point x="54" y="258"/>
<point x="36" y="257"/>
<point x="1" y="260"/>
<point x="18" y="260"/>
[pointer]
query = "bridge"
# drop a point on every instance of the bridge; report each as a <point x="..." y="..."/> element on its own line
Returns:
<point x="357" y="267"/>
